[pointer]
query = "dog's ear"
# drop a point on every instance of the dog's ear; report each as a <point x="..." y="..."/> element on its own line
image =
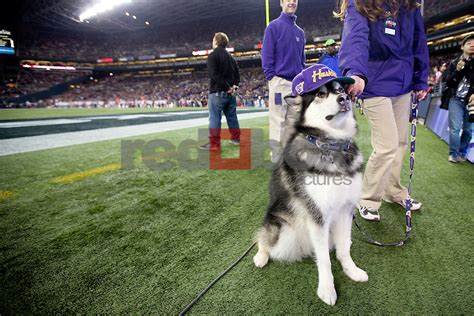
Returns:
<point x="294" y="101"/>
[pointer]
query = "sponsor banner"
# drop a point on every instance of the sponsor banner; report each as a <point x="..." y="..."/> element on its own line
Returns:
<point x="7" y="50"/>
<point x="146" y="57"/>
<point x="7" y="45"/>
<point x="205" y="52"/>
<point x="105" y="60"/>
<point x="168" y="56"/>
<point x="128" y="58"/>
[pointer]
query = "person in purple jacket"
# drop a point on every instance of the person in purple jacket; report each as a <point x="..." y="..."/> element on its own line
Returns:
<point x="283" y="57"/>
<point x="384" y="50"/>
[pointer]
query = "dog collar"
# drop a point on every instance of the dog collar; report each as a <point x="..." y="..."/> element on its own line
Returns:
<point x="344" y="146"/>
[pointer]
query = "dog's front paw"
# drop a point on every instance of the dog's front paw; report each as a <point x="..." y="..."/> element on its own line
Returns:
<point x="357" y="274"/>
<point x="327" y="294"/>
<point x="260" y="259"/>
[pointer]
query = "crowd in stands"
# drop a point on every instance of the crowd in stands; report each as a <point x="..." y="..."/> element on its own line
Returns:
<point x="186" y="89"/>
<point x="314" y="20"/>
<point x="435" y="7"/>
<point x="325" y="24"/>
<point x="183" y="38"/>
<point x="437" y="76"/>
<point x="253" y="84"/>
<point x="179" y="90"/>
<point x="31" y="81"/>
<point x="9" y="90"/>
<point x="157" y="90"/>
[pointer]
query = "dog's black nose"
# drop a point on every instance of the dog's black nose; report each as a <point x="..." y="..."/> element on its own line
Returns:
<point x="344" y="101"/>
<point x="342" y="98"/>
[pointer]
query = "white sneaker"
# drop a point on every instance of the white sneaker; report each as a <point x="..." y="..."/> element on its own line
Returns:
<point x="415" y="205"/>
<point x="452" y="159"/>
<point x="369" y="213"/>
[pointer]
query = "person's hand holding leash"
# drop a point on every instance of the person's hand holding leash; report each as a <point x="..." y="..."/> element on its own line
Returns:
<point x="356" y="88"/>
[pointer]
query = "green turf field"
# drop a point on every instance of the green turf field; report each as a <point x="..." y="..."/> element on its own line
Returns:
<point x="18" y="114"/>
<point x="139" y="241"/>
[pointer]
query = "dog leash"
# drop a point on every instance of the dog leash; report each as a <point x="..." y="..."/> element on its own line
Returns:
<point x="358" y="105"/>
<point x="187" y="308"/>
<point x="408" y="224"/>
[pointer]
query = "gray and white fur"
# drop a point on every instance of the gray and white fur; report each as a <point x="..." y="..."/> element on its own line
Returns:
<point x="314" y="191"/>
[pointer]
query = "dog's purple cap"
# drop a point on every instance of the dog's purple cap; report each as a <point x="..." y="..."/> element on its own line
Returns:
<point x="314" y="77"/>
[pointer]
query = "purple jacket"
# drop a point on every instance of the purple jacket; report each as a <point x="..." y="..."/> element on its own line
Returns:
<point x="283" y="48"/>
<point x="393" y="64"/>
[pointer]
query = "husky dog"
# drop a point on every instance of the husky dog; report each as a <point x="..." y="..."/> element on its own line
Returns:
<point x="316" y="183"/>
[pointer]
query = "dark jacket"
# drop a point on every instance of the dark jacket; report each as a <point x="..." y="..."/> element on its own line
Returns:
<point x="453" y="78"/>
<point x="223" y="70"/>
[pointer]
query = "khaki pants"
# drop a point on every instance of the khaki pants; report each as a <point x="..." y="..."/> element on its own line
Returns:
<point x="281" y="117"/>
<point x="388" y="119"/>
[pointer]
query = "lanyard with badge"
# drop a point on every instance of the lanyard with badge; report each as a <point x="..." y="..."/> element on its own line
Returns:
<point x="390" y="24"/>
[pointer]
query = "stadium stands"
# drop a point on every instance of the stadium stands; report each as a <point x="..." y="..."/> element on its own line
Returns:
<point x="31" y="81"/>
<point x="435" y="7"/>
<point x="189" y="89"/>
<point x="129" y="90"/>
<point x="186" y="38"/>
<point x="182" y="39"/>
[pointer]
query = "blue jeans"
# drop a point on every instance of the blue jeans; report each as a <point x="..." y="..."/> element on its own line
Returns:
<point x="222" y="102"/>
<point x="458" y="122"/>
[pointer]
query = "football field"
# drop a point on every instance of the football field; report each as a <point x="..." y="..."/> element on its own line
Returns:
<point x="15" y="114"/>
<point x="82" y="235"/>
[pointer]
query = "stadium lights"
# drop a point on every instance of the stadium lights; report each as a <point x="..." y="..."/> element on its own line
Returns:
<point x="447" y="38"/>
<point x="134" y="17"/>
<point x="48" y="67"/>
<point x="127" y="14"/>
<point x="147" y="23"/>
<point x="101" y="7"/>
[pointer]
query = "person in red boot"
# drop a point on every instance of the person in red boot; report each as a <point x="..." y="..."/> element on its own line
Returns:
<point x="224" y="81"/>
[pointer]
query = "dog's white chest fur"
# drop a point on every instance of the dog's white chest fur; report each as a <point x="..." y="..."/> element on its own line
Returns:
<point x="332" y="193"/>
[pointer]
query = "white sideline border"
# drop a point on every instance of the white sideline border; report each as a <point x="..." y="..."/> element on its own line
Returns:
<point x="34" y="143"/>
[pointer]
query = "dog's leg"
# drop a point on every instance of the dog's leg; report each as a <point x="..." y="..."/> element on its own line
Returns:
<point x="319" y="236"/>
<point x="264" y="236"/>
<point x="341" y="234"/>
<point x="261" y="258"/>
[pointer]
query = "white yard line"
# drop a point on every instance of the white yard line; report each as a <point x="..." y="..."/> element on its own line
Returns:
<point x="43" y="123"/>
<point x="33" y="143"/>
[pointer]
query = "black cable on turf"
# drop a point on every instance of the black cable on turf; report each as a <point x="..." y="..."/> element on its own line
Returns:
<point x="184" y="311"/>
<point x="370" y="240"/>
